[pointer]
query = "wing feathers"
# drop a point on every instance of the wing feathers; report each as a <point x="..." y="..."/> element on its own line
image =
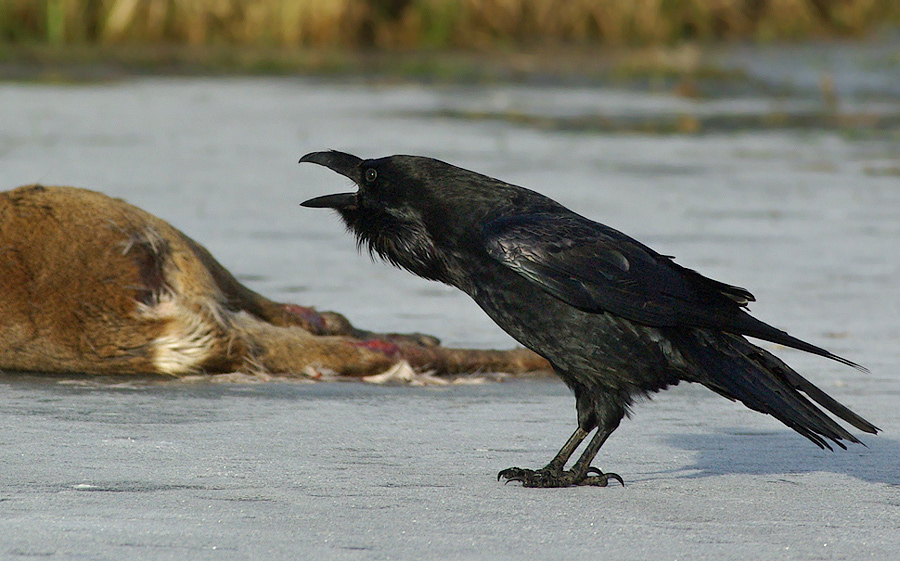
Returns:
<point x="596" y="268"/>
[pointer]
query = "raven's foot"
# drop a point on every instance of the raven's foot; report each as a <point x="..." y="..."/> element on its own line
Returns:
<point x="548" y="477"/>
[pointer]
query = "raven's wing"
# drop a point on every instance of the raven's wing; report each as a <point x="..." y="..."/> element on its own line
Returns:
<point x="596" y="268"/>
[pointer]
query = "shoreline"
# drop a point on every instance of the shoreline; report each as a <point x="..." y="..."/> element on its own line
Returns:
<point x="562" y="65"/>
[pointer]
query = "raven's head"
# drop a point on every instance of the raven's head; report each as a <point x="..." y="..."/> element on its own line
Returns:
<point x="396" y="213"/>
<point x="419" y="213"/>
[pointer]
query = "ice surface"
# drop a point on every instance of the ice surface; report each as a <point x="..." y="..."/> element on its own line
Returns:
<point x="353" y="471"/>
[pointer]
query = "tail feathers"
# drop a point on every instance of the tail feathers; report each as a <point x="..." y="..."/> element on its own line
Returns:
<point x="738" y="370"/>
<point x="800" y="383"/>
<point x="752" y="327"/>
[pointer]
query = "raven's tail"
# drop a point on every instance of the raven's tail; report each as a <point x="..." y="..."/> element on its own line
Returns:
<point x="745" y="324"/>
<point x="733" y="367"/>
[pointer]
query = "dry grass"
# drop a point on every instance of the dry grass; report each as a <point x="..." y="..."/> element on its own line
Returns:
<point x="432" y="23"/>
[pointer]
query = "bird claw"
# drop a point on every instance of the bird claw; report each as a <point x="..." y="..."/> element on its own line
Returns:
<point x="547" y="478"/>
<point x="600" y="479"/>
<point x="542" y="478"/>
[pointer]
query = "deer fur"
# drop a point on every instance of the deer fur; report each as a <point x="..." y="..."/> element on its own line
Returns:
<point x="91" y="284"/>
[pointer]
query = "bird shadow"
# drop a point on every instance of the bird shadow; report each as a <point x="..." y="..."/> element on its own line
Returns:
<point x="780" y="453"/>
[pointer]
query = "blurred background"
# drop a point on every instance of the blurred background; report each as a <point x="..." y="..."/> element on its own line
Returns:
<point x="480" y="24"/>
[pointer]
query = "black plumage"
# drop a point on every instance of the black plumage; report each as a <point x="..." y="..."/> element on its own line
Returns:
<point x="616" y="319"/>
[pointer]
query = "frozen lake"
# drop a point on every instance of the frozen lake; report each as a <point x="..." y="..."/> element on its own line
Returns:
<point x="807" y="219"/>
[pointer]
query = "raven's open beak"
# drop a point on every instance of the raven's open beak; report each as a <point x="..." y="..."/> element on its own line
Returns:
<point x="344" y="164"/>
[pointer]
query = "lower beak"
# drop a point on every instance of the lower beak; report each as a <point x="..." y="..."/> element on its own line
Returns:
<point x="337" y="201"/>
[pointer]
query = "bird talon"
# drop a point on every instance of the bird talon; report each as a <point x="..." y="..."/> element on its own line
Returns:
<point x="547" y="478"/>
<point x="601" y="478"/>
<point x="511" y="474"/>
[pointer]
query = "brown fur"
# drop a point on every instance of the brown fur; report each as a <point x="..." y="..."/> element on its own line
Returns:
<point x="91" y="284"/>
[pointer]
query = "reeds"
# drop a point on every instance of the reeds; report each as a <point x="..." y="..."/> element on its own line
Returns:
<point x="432" y="23"/>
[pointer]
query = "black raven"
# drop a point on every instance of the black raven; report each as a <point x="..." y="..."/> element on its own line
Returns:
<point x="616" y="319"/>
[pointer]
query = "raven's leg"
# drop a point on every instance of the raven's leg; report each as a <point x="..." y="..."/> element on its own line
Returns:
<point x="583" y="465"/>
<point x="559" y="461"/>
<point x="553" y="474"/>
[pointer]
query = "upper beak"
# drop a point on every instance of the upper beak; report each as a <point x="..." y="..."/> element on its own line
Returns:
<point x="344" y="164"/>
<point x="341" y="162"/>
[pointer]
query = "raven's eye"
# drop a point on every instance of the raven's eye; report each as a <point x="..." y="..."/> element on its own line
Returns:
<point x="371" y="175"/>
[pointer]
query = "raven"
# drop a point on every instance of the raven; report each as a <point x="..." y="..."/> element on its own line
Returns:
<point x="614" y="318"/>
